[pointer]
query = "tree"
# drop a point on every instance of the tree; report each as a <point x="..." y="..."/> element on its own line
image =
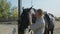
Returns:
<point x="57" y="18"/>
<point x="0" y="15"/>
<point x="15" y="12"/>
<point x="4" y="8"/>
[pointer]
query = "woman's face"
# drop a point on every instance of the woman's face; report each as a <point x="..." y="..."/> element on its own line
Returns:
<point x="38" y="15"/>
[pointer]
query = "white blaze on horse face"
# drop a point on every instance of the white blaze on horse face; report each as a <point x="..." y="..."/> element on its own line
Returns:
<point x="32" y="11"/>
<point x="30" y="15"/>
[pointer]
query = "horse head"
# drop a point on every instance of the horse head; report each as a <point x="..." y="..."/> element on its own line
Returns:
<point x="25" y="18"/>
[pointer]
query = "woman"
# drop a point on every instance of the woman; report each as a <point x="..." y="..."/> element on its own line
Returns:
<point x="39" y="26"/>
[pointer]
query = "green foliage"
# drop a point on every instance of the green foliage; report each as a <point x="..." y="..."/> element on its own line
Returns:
<point x="57" y="18"/>
<point x="5" y="10"/>
<point x="15" y="12"/>
<point x="0" y="15"/>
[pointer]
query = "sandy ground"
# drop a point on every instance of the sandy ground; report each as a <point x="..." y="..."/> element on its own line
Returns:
<point x="57" y="27"/>
<point x="8" y="29"/>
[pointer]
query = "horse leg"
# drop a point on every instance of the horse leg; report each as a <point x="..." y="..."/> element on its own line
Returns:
<point x="45" y="31"/>
<point x="48" y="32"/>
<point x="20" y="32"/>
<point x="52" y="31"/>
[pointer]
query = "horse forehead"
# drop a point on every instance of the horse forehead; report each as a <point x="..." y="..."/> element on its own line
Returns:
<point x="25" y="11"/>
<point x="32" y="11"/>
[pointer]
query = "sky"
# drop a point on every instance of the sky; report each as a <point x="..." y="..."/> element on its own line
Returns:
<point x="51" y="6"/>
<point x="13" y="3"/>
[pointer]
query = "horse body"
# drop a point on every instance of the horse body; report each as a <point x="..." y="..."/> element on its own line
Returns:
<point x="49" y="25"/>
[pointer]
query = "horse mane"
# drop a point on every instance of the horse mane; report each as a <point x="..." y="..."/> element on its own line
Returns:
<point x="24" y="19"/>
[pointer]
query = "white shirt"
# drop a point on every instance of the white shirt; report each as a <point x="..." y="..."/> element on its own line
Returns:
<point x="39" y="26"/>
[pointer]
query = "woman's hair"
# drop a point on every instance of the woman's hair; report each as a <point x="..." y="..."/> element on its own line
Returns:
<point x="40" y="11"/>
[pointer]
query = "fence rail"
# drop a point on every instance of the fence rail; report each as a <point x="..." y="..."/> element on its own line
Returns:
<point x="8" y="20"/>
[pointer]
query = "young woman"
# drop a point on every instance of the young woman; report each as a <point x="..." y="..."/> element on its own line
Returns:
<point x="39" y="26"/>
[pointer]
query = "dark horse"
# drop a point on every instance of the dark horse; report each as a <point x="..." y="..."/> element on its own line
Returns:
<point x="49" y="25"/>
<point x="24" y="22"/>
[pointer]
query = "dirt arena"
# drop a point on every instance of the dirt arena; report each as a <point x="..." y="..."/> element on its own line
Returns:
<point x="57" y="27"/>
<point x="8" y="29"/>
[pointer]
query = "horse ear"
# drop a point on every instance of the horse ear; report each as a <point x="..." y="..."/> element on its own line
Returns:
<point x="30" y="7"/>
